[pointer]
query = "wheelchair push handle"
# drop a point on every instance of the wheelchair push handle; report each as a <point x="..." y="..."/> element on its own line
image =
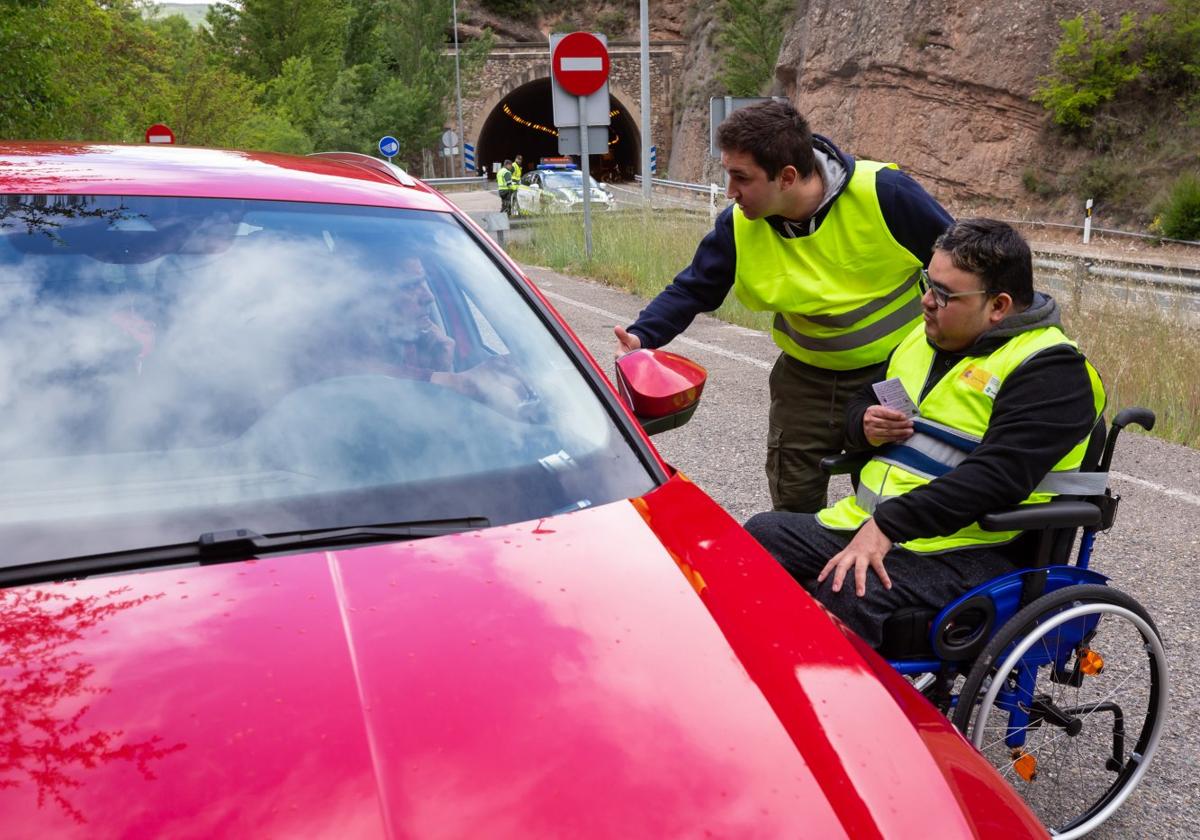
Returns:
<point x="1143" y="417"/>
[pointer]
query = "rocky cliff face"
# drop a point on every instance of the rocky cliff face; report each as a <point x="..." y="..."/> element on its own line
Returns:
<point x="941" y="87"/>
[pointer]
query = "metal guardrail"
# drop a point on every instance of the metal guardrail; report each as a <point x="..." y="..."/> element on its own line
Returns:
<point x="1084" y="283"/>
<point x="706" y="189"/>
<point x="1184" y="279"/>
<point x="1175" y="289"/>
<point x="469" y="180"/>
<point x="1147" y="236"/>
<point x="711" y="190"/>
<point x="680" y="185"/>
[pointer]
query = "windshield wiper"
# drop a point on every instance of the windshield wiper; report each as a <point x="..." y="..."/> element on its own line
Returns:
<point x="236" y="544"/>
<point x="242" y="540"/>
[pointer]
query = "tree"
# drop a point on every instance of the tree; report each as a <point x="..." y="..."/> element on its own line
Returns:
<point x="205" y="102"/>
<point x="405" y="89"/>
<point x="749" y="36"/>
<point x="258" y="36"/>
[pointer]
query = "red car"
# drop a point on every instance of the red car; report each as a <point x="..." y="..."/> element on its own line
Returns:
<point x="318" y="521"/>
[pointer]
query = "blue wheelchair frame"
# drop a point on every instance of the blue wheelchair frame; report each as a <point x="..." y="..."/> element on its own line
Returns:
<point x="1002" y="598"/>
<point x="1006" y="593"/>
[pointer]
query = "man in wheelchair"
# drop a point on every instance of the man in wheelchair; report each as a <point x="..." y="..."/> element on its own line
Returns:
<point x="999" y="411"/>
<point x="982" y="459"/>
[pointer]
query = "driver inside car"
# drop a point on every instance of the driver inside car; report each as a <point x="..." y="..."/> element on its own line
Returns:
<point x="407" y="341"/>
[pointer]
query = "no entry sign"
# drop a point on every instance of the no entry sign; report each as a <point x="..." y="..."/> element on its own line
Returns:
<point x="580" y="63"/>
<point x="159" y="133"/>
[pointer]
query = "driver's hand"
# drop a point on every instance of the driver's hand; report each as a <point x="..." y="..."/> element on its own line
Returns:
<point x="497" y="383"/>
<point x="436" y="349"/>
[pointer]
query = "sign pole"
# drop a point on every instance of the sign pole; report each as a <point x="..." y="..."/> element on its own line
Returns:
<point x="579" y="66"/>
<point x="645" y="56"/>
<point x="587" y="178"/>
<point x="458" y="87"/>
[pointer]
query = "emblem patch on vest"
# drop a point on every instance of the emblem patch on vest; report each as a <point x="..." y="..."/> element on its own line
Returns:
<point x="981" y="380"/>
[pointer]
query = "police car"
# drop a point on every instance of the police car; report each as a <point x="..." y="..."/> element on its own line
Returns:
<point x="556" y="186"/>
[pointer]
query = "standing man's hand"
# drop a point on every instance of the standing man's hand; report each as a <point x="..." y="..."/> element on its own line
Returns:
<point x="886" y="425"/>
<point x="627" y="342"/>
<point x="865" y="551"/>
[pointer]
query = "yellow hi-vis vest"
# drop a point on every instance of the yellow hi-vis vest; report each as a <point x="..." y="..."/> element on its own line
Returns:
<point x="844" y="295"/>
<point x="951" y="422"/>
<point x="504" y="180"/>
<point x="516" y="173"/>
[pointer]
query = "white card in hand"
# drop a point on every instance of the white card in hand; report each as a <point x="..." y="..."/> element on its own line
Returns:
<point x="892" y="395"/>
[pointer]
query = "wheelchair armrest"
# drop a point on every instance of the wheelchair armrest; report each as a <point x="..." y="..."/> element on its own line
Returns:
<point x="1056" y="514"/>
<point x="846" y="462"/>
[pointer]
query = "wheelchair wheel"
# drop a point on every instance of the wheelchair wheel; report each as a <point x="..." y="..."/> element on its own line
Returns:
<point x="1068" y="700"/>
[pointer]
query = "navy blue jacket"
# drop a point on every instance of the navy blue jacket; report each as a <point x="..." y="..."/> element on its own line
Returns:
<point x="914" y="218"/>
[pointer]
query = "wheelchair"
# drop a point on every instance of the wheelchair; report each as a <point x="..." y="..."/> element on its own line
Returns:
<point x="1058" y="679"/>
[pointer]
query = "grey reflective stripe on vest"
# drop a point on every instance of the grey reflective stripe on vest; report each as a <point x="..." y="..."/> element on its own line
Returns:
<point x="851" y="340"/>
<point x="849" y="319"/>
<point x="964" y="441"/>
<point x="868" y="499"/>
<point x="1073" y="483"/>
<point x="938" y="450"/>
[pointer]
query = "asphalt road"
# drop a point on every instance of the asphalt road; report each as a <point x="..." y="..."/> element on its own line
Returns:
<point x="1152" y="552"/>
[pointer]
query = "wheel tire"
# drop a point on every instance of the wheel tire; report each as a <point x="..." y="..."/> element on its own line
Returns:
<point x="1035" y="620"/>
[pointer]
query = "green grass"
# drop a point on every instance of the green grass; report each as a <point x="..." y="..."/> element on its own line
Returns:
<point x="1145" y="359"/>
<point x="635" y="251"/>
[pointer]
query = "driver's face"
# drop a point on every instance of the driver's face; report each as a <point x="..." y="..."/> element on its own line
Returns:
<point x="413" y="302"/>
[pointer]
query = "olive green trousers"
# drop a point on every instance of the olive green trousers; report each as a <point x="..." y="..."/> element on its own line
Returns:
<point x="807" y="421"/>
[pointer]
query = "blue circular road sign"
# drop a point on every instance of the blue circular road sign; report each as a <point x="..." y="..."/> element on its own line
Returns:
<point x="388" y="146"/>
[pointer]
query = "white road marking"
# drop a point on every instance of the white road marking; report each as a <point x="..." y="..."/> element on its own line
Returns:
<point x="1182" y="495"/>
<point x="614" y="318"/>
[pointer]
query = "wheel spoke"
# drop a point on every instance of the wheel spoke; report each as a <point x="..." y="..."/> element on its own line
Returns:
<point x="1073" y="786"/>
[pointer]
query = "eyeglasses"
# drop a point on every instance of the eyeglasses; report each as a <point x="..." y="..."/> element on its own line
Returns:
<point x="941" y="295"/>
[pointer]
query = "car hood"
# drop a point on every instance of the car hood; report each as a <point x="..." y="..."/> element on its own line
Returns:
<point x="557" y="678"/>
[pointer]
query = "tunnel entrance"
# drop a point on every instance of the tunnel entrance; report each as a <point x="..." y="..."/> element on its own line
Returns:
<point x="523" y="123"/>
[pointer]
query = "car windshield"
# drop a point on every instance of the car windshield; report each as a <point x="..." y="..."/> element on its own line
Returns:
<point x="175" y="366"/>
<point x="567" y="180"/>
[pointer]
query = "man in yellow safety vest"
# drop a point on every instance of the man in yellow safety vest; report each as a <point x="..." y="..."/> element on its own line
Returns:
<point x="984" y="405"/>
<point x="832" y="246"/>
<point x="506" y="187"/>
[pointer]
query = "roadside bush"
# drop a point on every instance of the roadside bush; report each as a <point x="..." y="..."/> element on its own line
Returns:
<point x="614" y="23"/>
<point x="527" y="10"/>
<point x="1106" y="178"/>
<point x="1034" y="184"/>
<point x="1172" y="59"/>
<point x="1180" y="215"/>
<point x="1088" y="69"/>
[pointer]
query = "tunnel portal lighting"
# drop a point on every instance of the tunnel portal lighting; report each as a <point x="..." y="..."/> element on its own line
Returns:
<point x="553" y="132"/>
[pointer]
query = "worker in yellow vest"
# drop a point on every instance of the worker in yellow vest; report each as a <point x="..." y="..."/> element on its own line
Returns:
<point x="518" y="161"/>
<point x="505" y="186"/>
<point x="832" y="246"/>
<point x="985" y="405"/>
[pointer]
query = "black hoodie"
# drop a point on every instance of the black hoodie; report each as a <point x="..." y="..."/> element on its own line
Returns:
<point x="1043" y="409"/>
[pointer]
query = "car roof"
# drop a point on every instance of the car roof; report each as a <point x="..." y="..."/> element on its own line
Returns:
<point x="183" y="171"/>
